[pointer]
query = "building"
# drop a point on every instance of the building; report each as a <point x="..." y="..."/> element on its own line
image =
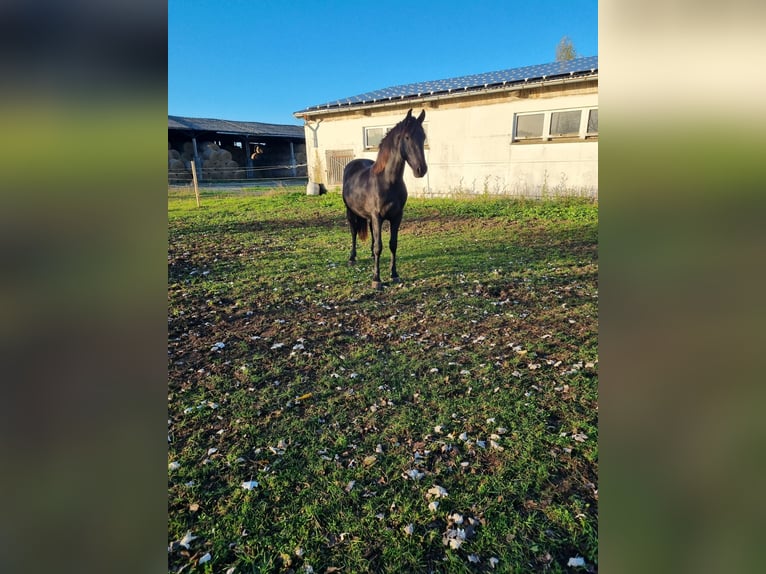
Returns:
<point x="526" y="131"/>
<point x="230" y="150"/>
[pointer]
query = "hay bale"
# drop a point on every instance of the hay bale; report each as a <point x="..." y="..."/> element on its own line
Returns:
<point x="177" y="171"/>
<point x="209" y="154"/>
<point x="224" y="155"/>
<point x="231" y="170"/>
<point x="173" y="154"/>
<point x="188" y="148"/>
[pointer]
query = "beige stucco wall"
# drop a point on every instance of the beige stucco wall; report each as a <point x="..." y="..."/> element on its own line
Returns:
<point x="470" y="147"/>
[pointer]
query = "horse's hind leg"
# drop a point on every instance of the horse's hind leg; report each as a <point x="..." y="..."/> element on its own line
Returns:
<point x="377" y="247"/>
<point x="392" y="244"/>
<point x="352" y="255"/>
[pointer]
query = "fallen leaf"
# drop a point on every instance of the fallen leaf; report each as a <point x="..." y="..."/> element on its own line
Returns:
<point x="433" y="506"/>
<point x="205" y="558"/>
<point x="250" y="484"/>
<point x="369" y="460"/>
<point x="174" y="466"/>
<point x="350" y="485"/>
<point x="577" y="561"/>
<point x="438" y="491"/>
<point x="187" y="539"/>
<point x="493" y="561"/>
<point x="409" y="529"/>
<point x="193" y="507"/>
<point x="473" y="558"/>
<point x="414" y="474"/>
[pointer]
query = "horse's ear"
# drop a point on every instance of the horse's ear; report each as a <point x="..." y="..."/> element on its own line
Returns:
<point x="409" y="114"/>
<point x="421" y="117"/>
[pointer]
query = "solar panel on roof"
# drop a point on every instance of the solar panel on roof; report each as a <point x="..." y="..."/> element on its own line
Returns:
<point x="474" y="81"/>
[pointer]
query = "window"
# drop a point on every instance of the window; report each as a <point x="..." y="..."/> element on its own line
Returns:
<point x="565" y="123"/>
<point x="529" y="126"/>
<point x="373" y="136"/>
<point x="558" y="125"/>
<point x="593" y="122"/>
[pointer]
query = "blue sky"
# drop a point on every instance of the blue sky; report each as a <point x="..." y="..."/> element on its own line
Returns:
<point x="263" y="60"/>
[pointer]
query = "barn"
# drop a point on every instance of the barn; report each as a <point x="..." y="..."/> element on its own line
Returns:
<point x="529" y="131"/>
<point x="227" y="150"/>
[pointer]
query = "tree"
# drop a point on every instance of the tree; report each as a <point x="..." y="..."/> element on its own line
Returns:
<point x="565" y="50"/>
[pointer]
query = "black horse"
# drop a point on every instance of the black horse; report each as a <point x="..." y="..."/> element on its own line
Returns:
<point x="375" y="191"/>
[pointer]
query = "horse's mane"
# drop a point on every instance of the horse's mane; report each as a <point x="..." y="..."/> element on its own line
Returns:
<point x="386" y="145"/>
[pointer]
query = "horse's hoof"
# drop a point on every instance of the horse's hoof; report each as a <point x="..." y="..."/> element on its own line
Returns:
<point x="396" y="279"/>
<point x="377" y="285"/>
<point x="351" y="262"/>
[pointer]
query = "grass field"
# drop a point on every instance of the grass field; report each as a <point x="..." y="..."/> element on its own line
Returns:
<point x="445" y="424"/>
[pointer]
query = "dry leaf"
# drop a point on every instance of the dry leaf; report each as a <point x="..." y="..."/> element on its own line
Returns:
<point x="187" y="539"/>
<point x="438" y="491"/>
<point x="414" y="474"/>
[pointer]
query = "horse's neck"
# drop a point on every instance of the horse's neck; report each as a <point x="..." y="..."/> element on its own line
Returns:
<point x="394" y="170"/>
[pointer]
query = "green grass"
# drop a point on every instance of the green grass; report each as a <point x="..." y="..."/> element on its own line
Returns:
<point x="323" y="381"/>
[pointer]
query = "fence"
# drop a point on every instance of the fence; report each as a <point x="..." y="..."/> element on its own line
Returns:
<point x="261" y="176"/>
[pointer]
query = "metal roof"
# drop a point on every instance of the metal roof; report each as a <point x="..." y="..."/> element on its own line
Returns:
<point x="503" y="78"/>
<point x="234" y="127"/>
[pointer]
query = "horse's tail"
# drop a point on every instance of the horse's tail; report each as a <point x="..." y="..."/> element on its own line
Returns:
<point x="358" y="224"/>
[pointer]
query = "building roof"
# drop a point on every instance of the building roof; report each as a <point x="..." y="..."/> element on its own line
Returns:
<point x="491" y="80"/>
<point x="235" y="128"/>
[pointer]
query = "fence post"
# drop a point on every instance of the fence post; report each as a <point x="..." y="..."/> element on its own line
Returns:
<point x="194" y="178"/>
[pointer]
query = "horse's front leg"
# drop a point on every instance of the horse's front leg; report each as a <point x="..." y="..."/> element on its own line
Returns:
<point x="377" y="248"/>
<point x="392" y="244"/>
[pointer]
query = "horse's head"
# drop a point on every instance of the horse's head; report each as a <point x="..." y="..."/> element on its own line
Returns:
<point x="411" y="144"/>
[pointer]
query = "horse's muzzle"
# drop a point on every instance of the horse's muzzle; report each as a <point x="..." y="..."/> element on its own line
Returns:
<point x="420" y="170"/>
